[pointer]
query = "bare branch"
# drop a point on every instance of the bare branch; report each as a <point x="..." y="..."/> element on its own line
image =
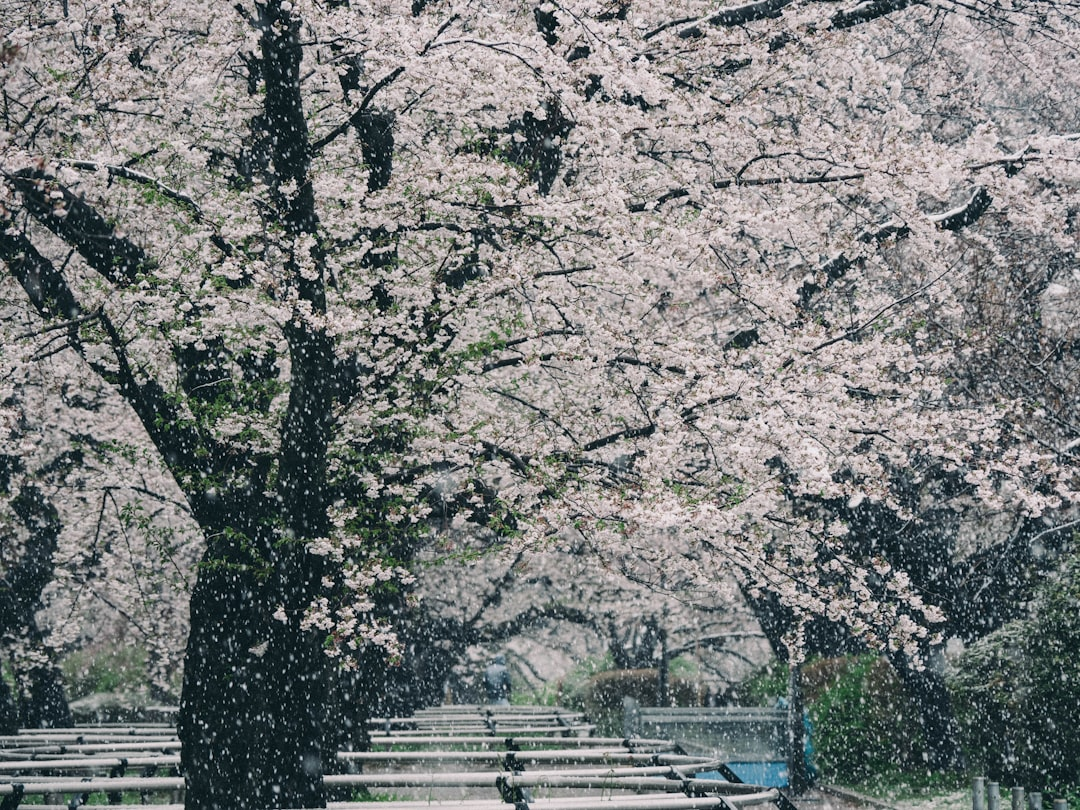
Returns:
<point x="964" y="215"/>
<point x="867" y="11"/>
<point x="850" y="333"/>
<point x="74" y="322"/>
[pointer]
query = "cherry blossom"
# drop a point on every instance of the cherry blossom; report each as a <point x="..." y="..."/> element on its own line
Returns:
<point x="670" y="278"/>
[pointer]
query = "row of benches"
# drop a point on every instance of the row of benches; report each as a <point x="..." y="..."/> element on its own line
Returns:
<point x="474" y="756"/>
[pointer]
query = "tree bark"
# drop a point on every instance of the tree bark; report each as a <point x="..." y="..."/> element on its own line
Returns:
<point x="9" y="711"/>
<point x="251" y="711"/>
<point x="927" y="690"/>
<point x="798" y="774"/>
<point x="42" y="703"/>
<point x="291" y="687"/>
<point x="215" y="723"/>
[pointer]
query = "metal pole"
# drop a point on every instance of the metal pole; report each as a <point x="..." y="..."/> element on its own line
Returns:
<point x="993" y="796"/>
<point x="1018" y="798"/>
<point x="1061" y="804"/>
<point x="1035" y="800"/>
<point x="978" y="793"/>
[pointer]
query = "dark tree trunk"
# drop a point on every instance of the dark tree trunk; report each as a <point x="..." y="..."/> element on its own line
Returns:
<point x="42" y="703"/>
<point x="251" y="713"/>
<point x="927" y="690"/>
<point x="215" y="721"/>
<point x="290" y="679"/>
<point x="798" y="774"/>
<point x="9" y="711"/>
<point x="345" y="715"/>
<point x="254" y="692"/>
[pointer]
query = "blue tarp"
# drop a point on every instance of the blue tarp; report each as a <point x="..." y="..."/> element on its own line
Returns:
<point x="767" y="774"/>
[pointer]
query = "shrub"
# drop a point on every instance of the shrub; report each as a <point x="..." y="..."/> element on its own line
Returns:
<point x="601" y="696"/>
<point x="564" y="690"/>
<point x="864" y="724"/>
<point x="99" y="669"/>
<point x="1017" y="691"/>
<point x="763" y="688"/>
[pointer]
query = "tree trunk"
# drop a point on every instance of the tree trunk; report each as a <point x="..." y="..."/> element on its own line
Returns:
<point x="9" y="712"/>
<point x="798" y="775"/>
<point x="291" y="683"/>
<point x="42" y="703"/>
<point x="663" y="696"/>
<point x="216" y="705"/>
<point x="927" y="690"/>
<point x="254" y="687"/>
<point x="345" y="714"/>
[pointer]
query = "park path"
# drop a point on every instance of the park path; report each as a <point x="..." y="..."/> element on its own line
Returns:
<point x="827" y="797"/>
<point x="830" y="798"/>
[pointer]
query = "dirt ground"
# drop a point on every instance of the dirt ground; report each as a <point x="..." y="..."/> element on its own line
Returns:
<point x="826" y="798"/>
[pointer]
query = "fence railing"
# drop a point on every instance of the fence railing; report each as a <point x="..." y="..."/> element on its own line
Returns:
<point x="986" y="795"/>
<point x="752" y="741"/>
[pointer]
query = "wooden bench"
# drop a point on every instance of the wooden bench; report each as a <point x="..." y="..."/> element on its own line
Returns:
<point x="487" y="719"/>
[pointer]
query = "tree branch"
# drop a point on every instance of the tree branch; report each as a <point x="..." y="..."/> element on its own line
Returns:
<point x="356" y="119"/>
<point x="626" y="433"/>
<point x="744" y="13"/>
<point x="547" y="417"/>
<point x="78" y="223"/>
<point x="552" y="611"/>
<point x="126" y="173"/>
<point x="715" y="641"/>
<point x="809" y="179"/>
<point x="44" y="285"/>
<point x="867" y="11"/>
<point x="963" y="215"/>
<point x="741" y="15"/>
<point x="51" y="296"/>
<point x="850" y="333"/>
<point x="73" y="323"/>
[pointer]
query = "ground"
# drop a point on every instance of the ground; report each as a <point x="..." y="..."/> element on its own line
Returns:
<point x="829" y="798"/>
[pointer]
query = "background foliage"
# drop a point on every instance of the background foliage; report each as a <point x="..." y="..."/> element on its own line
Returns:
<point x="1017" y="691"/>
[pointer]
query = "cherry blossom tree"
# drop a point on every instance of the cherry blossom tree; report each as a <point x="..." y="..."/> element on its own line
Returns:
<point x="651" y="274"/>
<point x="93" y="534"/>
<point x="31" y="527"/>
<point x="550" y="612"/>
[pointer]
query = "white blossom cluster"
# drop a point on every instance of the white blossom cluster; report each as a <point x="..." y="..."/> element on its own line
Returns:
<point x="348" y="620"/>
